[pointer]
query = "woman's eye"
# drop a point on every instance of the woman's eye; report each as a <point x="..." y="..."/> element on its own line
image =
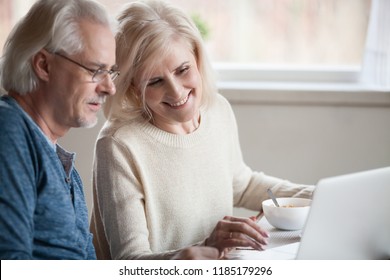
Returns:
<point x="184" y="69"/>
<point x="154" y="82"/>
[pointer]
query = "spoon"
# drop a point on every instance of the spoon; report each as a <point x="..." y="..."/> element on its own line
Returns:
<point x="271" y="195"/>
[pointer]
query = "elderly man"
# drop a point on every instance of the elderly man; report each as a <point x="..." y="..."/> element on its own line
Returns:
<point x="57" y="68"/>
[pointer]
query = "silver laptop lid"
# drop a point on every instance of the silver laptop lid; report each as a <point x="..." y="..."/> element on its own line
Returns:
<point x="349" y="218"/>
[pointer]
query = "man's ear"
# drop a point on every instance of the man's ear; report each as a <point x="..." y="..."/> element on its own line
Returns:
<point x="40" y="63"/>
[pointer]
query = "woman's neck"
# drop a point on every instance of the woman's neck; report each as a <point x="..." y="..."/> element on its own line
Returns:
<point x="179" y="128"/>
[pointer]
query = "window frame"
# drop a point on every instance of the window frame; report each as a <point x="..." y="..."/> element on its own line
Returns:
<point x="319" y="86"/>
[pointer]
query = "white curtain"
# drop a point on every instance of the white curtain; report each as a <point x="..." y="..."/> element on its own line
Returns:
<point x="376" y="63"/>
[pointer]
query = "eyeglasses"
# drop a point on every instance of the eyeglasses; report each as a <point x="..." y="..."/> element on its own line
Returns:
<point x="97" y="75"/>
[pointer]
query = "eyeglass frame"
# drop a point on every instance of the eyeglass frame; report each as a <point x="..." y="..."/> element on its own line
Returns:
<point x="112" y="73"/>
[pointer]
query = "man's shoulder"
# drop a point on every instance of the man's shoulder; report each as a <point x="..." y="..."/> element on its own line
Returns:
<point x="5" y="104"/>
<point x="10" y="116"/>
<point x="15" y="125"/>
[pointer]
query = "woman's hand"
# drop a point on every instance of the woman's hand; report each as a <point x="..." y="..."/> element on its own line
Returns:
<point x="237" y="232"/>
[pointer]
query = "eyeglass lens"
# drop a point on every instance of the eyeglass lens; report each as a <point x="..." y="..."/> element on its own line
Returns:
<point x="100" y="74"/>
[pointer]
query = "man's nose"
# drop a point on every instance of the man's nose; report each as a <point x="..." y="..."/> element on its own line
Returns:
<point x="107" y="85"/>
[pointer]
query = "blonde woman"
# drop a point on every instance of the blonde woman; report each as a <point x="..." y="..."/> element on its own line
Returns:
<point x="168" y="168"/>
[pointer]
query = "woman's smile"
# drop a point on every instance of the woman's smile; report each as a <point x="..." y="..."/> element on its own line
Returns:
<point x="181" y="102"/>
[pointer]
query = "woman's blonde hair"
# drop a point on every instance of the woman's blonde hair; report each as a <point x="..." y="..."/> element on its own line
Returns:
<point x="146" y="30"/>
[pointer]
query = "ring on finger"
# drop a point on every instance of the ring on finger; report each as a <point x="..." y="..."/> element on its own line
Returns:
<point x="231" y="235"/>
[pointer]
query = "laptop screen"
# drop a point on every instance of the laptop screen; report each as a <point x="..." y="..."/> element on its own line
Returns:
<point x="349" y="218"/>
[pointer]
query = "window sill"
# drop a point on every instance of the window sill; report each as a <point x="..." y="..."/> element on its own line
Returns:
<point x="304" y="94"/>
<point x="333" y="86"/>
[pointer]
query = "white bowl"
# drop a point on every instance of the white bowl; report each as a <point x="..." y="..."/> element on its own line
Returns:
<point x="291" y="215"/>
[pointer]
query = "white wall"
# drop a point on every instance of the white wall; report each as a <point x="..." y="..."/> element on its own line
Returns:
<point x="301" y="136"/>
<point x="306" y="142"/>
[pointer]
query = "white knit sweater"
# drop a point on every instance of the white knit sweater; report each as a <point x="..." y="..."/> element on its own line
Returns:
<point x="156" y="192"/>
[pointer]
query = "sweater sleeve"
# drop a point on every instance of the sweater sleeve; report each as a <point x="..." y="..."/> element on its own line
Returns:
<point x="121" y="204"/>
<point x="17" y="191"/>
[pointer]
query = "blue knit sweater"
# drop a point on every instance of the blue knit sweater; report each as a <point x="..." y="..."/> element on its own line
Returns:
<point x="43" y="214"/>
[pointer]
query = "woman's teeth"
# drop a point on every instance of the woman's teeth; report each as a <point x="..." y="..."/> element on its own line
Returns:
<point x="181" y="102"/>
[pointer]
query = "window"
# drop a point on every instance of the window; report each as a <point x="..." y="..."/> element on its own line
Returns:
<point x="10" y="12"/>
<point x="267" y="32"/>
<point x="283" y="32"/>
<point x="267" y="40"/>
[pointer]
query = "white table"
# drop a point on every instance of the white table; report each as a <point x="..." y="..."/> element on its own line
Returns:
<point x="282" y="244"/>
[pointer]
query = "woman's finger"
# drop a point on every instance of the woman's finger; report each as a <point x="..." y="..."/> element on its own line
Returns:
<point x="246" y="226"/>
<point x="237" y="232"/>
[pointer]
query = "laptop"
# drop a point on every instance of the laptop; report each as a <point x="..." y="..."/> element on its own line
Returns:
<point x="349" y="218"/>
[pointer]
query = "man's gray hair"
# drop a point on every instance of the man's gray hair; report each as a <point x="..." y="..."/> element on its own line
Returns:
<point x="52" y="25"/>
